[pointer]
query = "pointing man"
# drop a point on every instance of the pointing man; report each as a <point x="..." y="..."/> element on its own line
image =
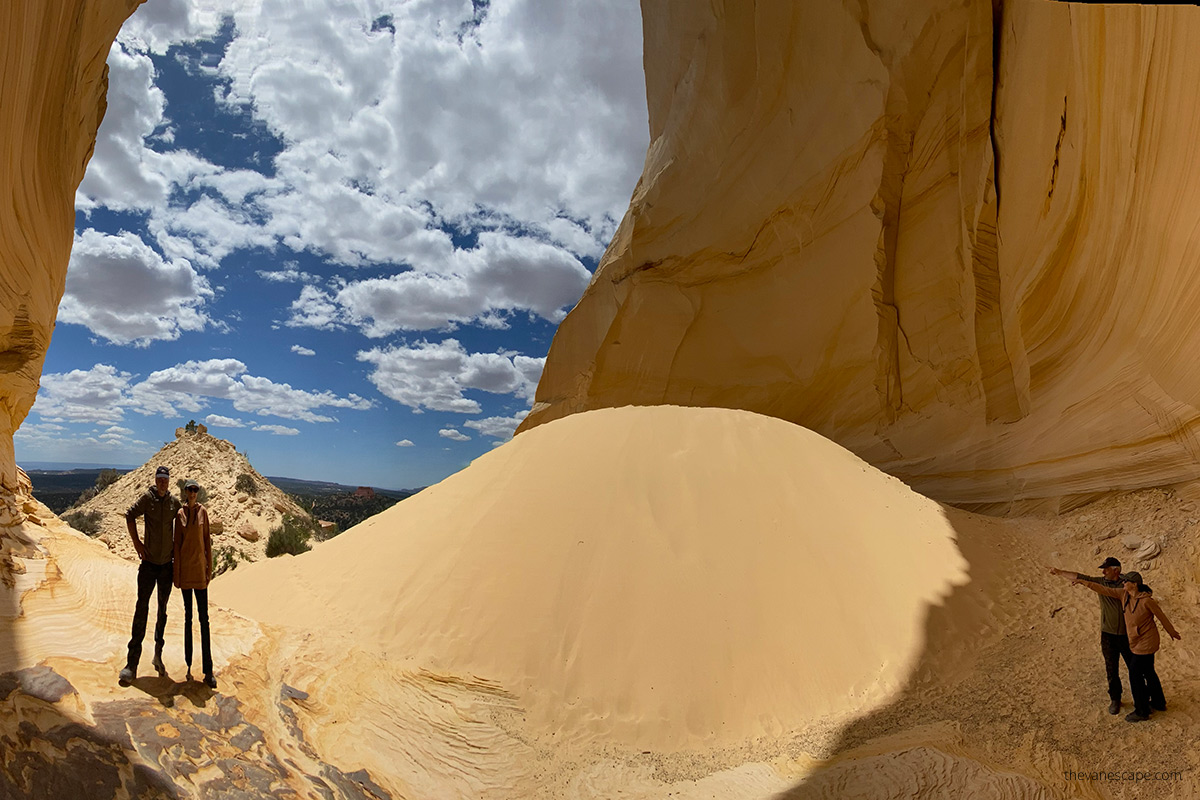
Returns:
<point x="1114" y="643"/>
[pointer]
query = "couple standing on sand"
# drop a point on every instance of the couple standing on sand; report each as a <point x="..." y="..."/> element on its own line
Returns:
<point x="177" y="549"/>
<point x="1128" y="631"/>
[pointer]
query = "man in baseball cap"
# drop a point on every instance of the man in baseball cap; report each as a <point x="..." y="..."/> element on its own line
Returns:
<point x="158" y="507"/>
<point x="1114" y="643"/>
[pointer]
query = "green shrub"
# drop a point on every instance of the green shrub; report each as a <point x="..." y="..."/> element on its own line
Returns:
<point x="225" y="559"/>
<point x="105" y="479"/>
<point x="245" y="483"/>
<point x="201" y="496"/>
<point x="290" y="537"/>
<point x="87" y="522"/>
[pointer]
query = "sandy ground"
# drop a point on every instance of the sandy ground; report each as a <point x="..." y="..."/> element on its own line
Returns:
<point x="995" y="687"/>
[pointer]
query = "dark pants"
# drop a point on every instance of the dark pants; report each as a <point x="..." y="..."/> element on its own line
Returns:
<point x="1147" y="691"/>
<point x="202" y="608"/>
<point x="148" y="576"/>
<point x="1115" y="646"/>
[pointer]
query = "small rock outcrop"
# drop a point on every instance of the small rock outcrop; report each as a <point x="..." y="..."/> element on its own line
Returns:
<point x="216" y="465"/>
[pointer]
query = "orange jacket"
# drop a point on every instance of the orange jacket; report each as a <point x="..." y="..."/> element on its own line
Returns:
<point x="1140" y="611"/>
<point x="193" y="548"/>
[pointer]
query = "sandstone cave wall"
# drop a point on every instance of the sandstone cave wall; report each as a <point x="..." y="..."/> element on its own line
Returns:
<point x="52" y="98"/>
<point x="960" y="238"/>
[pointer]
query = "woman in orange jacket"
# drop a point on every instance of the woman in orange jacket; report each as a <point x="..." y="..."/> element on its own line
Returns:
<point x="193" y="571"/>
<point x="1140" y="609"/>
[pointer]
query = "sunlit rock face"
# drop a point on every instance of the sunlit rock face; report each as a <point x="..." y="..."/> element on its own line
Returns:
<point x="51" y="103"/>
<point x="980" y="278"/>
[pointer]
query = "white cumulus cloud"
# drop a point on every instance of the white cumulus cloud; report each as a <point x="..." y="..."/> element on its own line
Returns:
<point x="219" y="421"/>
<point x="435" y="375"/>
<point x="400" y="122"/>
<point x="496" y="427"/>
<point x="300" y="350"/>
<point x="121" y="289"/>
<point x="453" y="435"/>
<point x="103" y="394"/>
<point x="277" y="430"/>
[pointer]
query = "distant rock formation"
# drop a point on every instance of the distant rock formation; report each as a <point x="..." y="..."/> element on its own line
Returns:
<point x="52" y="98"/>
<point x="961" y="243"/>
<point x="215" y="464"/>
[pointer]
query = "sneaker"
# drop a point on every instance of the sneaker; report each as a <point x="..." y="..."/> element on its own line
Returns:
<point x="1134" y="716"/>
<point x="158" y="665"/>
<point x="210" y="681"/>
<point x="1114" y="707"/>
<point x="127" y="676"/>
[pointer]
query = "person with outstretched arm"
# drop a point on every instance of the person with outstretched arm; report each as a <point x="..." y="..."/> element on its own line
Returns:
<point x="1114" y="643"/>
<point x="1140" y="610"/>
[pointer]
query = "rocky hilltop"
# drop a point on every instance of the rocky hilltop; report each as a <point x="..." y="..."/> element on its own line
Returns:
<point x="241" y="517"/>
<point x="958" y="238"/>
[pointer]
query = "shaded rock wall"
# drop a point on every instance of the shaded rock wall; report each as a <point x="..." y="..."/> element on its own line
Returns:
<point x="960" y="240"/>
<point x="52" y="98"/>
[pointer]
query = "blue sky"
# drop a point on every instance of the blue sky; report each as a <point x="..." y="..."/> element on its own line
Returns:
<point x="341" y="234"/>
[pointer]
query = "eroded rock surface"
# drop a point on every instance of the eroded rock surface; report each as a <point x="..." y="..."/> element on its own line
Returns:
<point x="959" y="242"/>
<point x="52" y="98"/>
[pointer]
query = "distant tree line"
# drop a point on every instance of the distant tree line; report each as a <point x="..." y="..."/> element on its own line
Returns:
<point x="344" y="510"/>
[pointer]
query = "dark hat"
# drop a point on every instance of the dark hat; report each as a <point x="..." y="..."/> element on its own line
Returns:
<point x="1110" y="562"/>
<point x="191" y="485"/>
<point x="1132" y="577"/>
<point x="162" y="472"/>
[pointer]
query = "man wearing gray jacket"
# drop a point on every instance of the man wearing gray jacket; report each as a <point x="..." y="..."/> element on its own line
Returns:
<point x="1114" y="643"/>
<point x="158" y="507"/>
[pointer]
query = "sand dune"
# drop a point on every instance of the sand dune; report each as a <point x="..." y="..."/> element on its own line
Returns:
<point x="661" y="576"/>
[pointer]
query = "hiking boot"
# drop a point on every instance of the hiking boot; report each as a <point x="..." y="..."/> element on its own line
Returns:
<point x="127" y="676"/>
<point x="1134" y="716"/>
<point x="159" y="666"/>
<point x="1114" y="707"/>
<point x="210" y="681"/>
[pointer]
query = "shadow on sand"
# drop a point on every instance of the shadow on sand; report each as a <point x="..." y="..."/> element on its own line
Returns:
<point x="166" y="690"/>
<point x="999" y="704"/>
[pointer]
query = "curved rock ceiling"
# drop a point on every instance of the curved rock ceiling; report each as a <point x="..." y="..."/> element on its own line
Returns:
<point x="52" y="98"/>
<point x="962" y="241"/>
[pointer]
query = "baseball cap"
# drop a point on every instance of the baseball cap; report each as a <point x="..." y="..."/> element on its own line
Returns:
<point x="162" y="472"/>
<point x="1110" y="562"/>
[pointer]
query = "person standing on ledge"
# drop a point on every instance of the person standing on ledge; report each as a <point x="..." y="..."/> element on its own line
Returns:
<point x="1114" y="643"/>
<point x="157" y="506"/>
<point x="193" y="570"/>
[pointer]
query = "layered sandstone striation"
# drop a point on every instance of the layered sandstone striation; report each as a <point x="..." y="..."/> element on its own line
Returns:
<point x="241" y="515"/>
<point x="52" y="99"/>
<point x="959" y="240"/>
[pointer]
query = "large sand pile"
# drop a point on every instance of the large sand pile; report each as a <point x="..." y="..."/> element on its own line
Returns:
<point x="241" y="520"/>
<point x="661" y="576"/>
